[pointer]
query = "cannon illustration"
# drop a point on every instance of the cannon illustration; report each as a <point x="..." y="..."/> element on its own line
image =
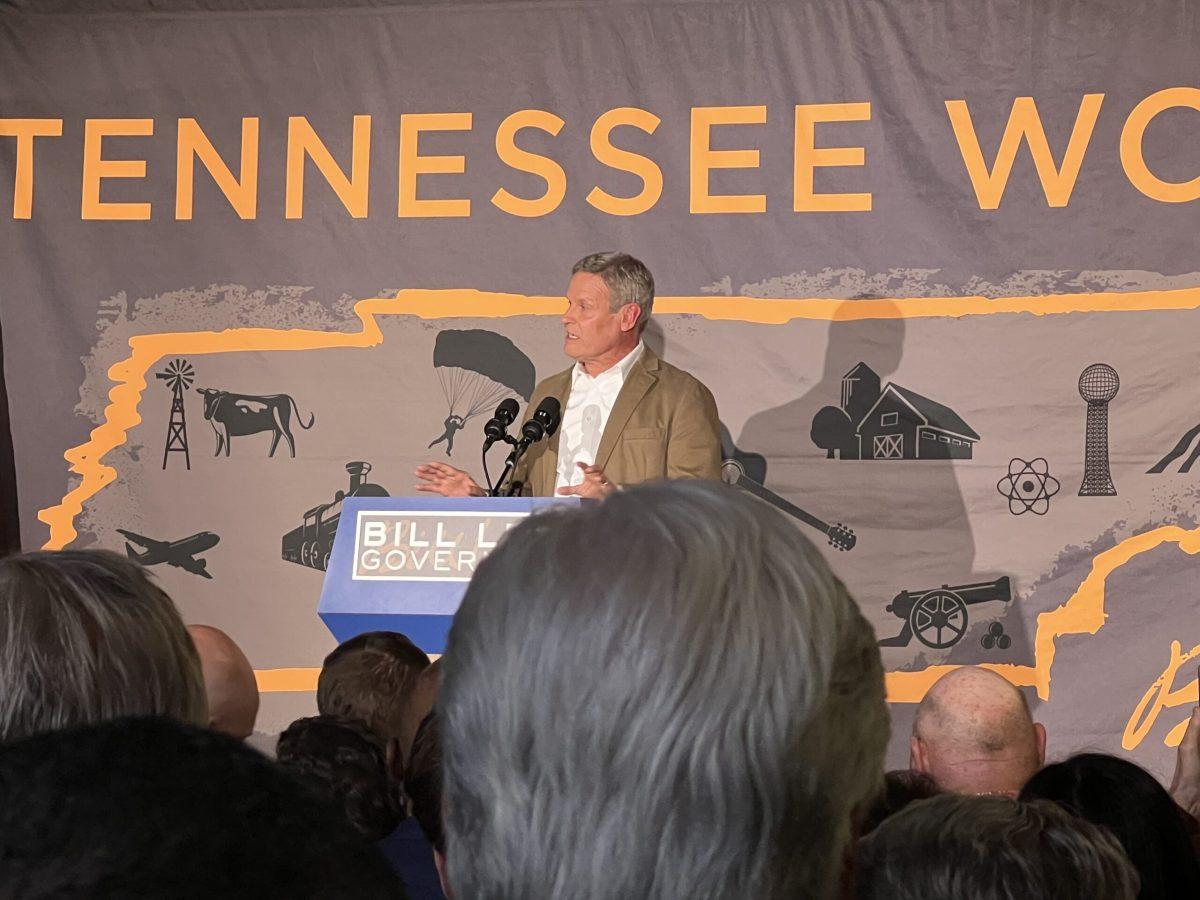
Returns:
<point x="938" y="616"/>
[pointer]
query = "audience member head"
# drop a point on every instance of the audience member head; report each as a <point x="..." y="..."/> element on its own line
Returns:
<point x="420" y="702"/>
<point x="952" y="847"/>
<point x="666" y="694"/>
<point x="86" y="636"/>
<point x="423" y="785"/>
<point x="343" y="761"/>
<point x="973" y="734"/>
<point x="900" y="788"/>
<point x="1129" y="802"/>
<point x="228" y="682"/>
<point x="370" y="678"/>
<point x="153" y="808"/>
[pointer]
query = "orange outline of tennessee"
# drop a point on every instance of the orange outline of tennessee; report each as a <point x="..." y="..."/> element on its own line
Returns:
<point x="1082" y="613"/>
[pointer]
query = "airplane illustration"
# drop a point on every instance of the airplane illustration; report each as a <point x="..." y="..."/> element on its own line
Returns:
<point x="181" y="553"/>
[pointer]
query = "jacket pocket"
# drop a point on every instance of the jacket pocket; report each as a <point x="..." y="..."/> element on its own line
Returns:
<point x="640" y="460"/>
<point x="642" y="434"/>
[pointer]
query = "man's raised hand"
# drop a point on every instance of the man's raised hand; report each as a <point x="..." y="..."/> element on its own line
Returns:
<point x="440" y="478"/>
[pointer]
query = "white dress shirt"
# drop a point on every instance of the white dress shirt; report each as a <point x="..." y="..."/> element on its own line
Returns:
<point x="587" y="412"/>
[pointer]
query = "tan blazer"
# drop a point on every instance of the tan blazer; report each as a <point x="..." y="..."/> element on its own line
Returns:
<point x="663" y="425"/>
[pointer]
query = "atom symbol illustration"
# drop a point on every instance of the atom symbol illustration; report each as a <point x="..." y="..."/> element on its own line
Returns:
<point x="1028" y="486"/>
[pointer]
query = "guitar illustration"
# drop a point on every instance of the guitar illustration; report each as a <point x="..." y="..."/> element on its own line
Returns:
<point x="733" y="473"/>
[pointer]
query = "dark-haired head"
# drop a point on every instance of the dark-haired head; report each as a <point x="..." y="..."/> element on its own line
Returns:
<point x="417" y="705"/>
<point x="956" y="846"/>
<point x="900" y="788"/>
<point x="1127" y="800"/>
<point x="153" y="808"/>
<point x="344" y="762"/>
<point x="423" y="782"/>
<point x="370" y="677"/>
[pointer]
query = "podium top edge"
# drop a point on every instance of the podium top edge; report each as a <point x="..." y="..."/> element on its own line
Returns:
<point x="456" y="504"/>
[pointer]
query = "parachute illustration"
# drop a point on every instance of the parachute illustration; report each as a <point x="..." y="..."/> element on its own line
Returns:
<point x="477" y="369"/>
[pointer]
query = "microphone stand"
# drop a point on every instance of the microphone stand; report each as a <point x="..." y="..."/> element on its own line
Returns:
<point x="510" y="465"/>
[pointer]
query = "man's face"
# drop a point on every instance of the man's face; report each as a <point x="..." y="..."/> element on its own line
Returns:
<point x="592" y="331"/>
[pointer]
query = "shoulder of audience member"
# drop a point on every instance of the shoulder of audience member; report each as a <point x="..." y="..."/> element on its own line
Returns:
<point x="151" y="807"/>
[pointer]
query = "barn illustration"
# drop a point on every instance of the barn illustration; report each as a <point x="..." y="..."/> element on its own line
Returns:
<point x="889" y="422"/>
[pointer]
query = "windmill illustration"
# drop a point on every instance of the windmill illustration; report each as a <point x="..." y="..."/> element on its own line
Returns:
<point x="179" y="376"/>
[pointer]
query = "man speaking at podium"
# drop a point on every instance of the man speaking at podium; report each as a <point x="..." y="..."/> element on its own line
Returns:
<point x="627" y="416"/>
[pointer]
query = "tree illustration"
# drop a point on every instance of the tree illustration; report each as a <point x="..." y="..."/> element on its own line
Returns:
<point x="833" y="431"/>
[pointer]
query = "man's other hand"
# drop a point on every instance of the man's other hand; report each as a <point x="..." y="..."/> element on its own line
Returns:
<point x="440" y="478"/>
<point x="594" y="487"/>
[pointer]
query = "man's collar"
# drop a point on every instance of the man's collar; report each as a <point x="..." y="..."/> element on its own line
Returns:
<point x="620" y="369"/>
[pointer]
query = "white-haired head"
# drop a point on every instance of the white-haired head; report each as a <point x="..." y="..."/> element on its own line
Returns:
<point x="665" y="695"/>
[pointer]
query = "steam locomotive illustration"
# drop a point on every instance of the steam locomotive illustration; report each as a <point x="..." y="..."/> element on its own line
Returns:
<point x="311" y="543"/>
<point x="938" y="616"/>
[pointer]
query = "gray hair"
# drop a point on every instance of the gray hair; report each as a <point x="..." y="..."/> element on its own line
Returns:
<point x="86" y="636"/>
<point x="627" y="279"/>
<point x="991" y="848"/>
<point x="665" y="695"/>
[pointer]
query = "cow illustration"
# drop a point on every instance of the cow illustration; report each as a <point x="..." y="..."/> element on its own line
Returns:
<point x="231" y="414"/>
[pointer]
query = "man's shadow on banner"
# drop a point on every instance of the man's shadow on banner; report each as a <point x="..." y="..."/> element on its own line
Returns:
<point x="856" y="449"/>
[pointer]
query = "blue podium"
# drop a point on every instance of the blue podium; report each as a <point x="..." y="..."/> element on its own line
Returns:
<point x="403" y="563"/>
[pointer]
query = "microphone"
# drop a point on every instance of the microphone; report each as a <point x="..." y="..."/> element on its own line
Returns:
<point x="544" y="421"/>
<point x="497" y="427"/>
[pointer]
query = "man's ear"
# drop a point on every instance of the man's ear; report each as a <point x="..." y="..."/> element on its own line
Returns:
<point x="1039" y="735"/>
<point x="439" y="862"/>
<point x="916" y="755"/>
<point x="631" y="315"/>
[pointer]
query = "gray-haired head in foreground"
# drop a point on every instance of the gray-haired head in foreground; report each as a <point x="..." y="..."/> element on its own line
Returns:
<point x="627" y="279"/>
<point x="666" y="695"/>
<point x="991" y="848"/>
<point x="86" y="636"/>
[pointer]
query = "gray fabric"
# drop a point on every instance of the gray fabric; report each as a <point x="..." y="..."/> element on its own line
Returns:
<point x="73" y="292"/>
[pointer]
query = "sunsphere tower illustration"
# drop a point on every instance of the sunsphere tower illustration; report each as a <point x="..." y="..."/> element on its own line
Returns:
<point x="1098" y="384"/>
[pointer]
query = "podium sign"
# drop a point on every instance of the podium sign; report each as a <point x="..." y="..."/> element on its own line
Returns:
<point x="403" y="563"/>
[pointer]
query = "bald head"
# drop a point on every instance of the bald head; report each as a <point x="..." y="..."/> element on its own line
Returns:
<point x="228" y="681"/>
<point x="973" y="734"/>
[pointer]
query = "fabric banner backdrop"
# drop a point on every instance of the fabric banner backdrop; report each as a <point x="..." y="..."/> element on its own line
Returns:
<point x="936" y="261"/>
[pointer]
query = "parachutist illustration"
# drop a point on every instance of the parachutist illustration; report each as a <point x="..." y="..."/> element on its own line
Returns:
<point x="476" y="370"/>
<point x="453" y="424"/>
